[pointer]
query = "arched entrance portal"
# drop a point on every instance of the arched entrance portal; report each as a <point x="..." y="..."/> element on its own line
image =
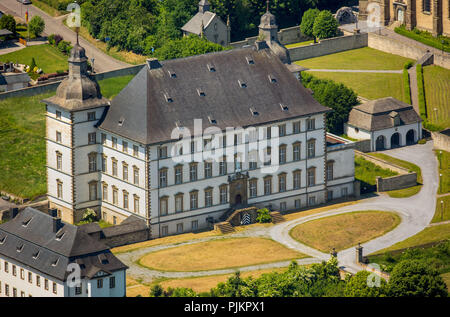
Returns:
<point x="380" y="143"/>
<point x="410" y="137"/>
<point x="238" y="199"/>
<point x="395" y="140"/>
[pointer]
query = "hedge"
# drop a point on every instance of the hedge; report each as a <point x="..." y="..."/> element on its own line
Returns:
<point x="425" y="38"/>
<point x="406" y="87"/>
<point x="421" y="92"/>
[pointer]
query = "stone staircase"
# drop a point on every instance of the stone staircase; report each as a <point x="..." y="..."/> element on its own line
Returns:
<point x="277" y="217"/>
<point x="224" y="227"/>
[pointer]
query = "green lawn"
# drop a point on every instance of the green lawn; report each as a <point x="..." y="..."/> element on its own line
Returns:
<point x="444" y="169"/>
<point x="299" y="44"/>
<point x="366" y="171"/>
<point x="369" y="85"/>
<point x="361" y="58"/>
<point x="406" y="192"/>
<point x="437" y="95"/>
<point x="428" y="235"/>
<point x="22" y="144"/>
<point x="47" y="57"/>
<point x="442" y="211"/>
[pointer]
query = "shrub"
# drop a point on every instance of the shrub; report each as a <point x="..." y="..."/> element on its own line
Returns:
<point x="37" y="26"/>
<point x="58" y="38"/>
<point x="156" y="291"/>
<point x="89" y="215"/>
<point x="263" y="216"/>
<point x="8" y="22"/>
<point x="408" y="65"/>
<point x="51" y="39"/>
<point x="422" y="141"/>
<point x="358" y="286"/>
<point x="33" y="64"/>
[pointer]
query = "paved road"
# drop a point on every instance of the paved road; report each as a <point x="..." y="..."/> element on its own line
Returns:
<point x="103" y="62"/>
<point x="416" y="212"/>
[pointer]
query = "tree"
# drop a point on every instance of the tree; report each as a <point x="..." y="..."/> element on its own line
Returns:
<point x="263" y="215"/>
<point x="416" y="278"/>
<point x="156" y="291"/>
<point x="335" y="96"/>
<point x="325" y="25"/>
<point x="37" y="26"/>
<point x="308" y="22"/>
<point x="357" y="286"/>
<point x="8" y="22"/>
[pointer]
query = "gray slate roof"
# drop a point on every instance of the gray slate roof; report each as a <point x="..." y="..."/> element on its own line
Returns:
<point x="31" y="232"/>
<point x="148" y="118"/>
<point x="377" y="114"/>
<point x="194" y="25"/>
<point x="14" y="78"/>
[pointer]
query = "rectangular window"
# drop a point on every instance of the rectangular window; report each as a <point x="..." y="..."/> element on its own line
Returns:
<point x="115" y="196"/>
<point x="164" y="231"/>
<point x="426" y="6"/>
<point x="163" y="152"/>
<point x="125" y="200"/>
<point x="92" y="138"/>
<point x="6" y="289"/>
<point x="193" y="172"/>
<point x="30" y="277"/>
<point x="282" y="130"/>
<point x="296" y="127"/>
<point x="208" y="198"/>
<point x="163" y="206"/>
<point x="179" y="203"/>
<point x="58" y="136"/>
<point x="253" y="188"/>
<point x="253" y="161"/>
<point x="125" y="146"/>
<point x="311" y="124"/>
<point x="344" y="192"/>
<point x="93" y="191"/>
<point x="330" y="195"/>
<point x="194" y="225"/>
<point x="268" y="156"/>
<point x="114" y="167"/>
<point x="194" y="200"/>
<point x="208" y="169"/>
<point x="179" y="228"/>
<point x="22" y="274"/>
<point x="282" y="183"/>
<point x="14" y="292"/>
<point x="100" y="283"/>
<point x="136" y="204"/>
<point x="269" y="132"/>
<point x="297" y="179"/>
<point x="330" y="171"/>
<point x="311" y="177"/>
<point x="112" y="282"/>
<point x="135" y="176"/>
<point x="267" y="186"/>
<point x="135" y="150"/>
<point x="92" y="162"/>
<point x="114" y="142"/>
<point x="192" y="146"/>
<point x="163" y="178"/>
<point x="105" y="192"/>
<point x="78" y="290"/>
<point x="58" y="114"/>
<point x="14" y="270"/>
<point x="282" y="206"/>
<point x="282" y="154"/>
<point x="114" y="220"/>
<point x="223" y="166"/>
<point x="311" y="148"/>
<point x="298" y="203"/>
<point x="46" y="284"/>
<point x="223" y="194"/>
<point x="59" y="189"/>
<point x="103" y="139"/>
<point x="178" y="174"/>
<point x="311" y="200"/>
<point x="58" y="160"/>
<point x="125" y="171"/>
<point x="91" y="116"/>
<point x="296" y="151"/>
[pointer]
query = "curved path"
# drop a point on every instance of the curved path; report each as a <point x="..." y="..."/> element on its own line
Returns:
<point x="416" y="212"/>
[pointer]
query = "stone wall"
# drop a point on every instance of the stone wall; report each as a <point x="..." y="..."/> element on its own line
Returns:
<point x="127" y="238"/>
<point x="363" y="146"/>
<point x="285" y="36"/>
<point x="441" y="140"/>
<point x="329" y="46"/>
<point x="388" y="45"/>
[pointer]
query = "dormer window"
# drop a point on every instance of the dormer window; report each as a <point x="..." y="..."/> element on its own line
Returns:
<point x="121" y="120"/>
<point x="36" y="254"/>
<point x="60" y="235"/>
<point x="55" y="262"/>
<point x="103" y="259"/>
<point x="211" y="120"/>
<point x="250" y="60"/>
<point x="2" y="240"/>
<point x="172" y="74"/>
<point x="201" y="93"/>
<point x="168" y="98"/>
<point x="254" y="112"/>
<point x="26" y="222"/>
<point x="284" y="107"/>
<point x="19" y="248"/>
<point x="211" y="68"/>
<point x="272" y="79"/>
<point x="242" y="84"/>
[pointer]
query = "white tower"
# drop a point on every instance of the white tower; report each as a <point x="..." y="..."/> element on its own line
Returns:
<point x="73" y="145"/>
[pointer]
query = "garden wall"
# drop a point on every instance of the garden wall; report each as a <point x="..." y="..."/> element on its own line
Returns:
<point x="363" y="146"/>
<point x="285" y="36"/>
<point x="329" y="46"/>
<point x="441" y="140"/>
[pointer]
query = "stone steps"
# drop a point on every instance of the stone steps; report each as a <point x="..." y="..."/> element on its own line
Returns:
<point x="277" y="217"/>
<point x="224" y="227"/>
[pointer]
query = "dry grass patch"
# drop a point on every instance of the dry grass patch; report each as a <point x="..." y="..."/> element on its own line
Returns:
<point x="304" y="213"/>
<point x="205" y="283"/>
<point x="219" y="254"/>
<point x="345" y="230"/>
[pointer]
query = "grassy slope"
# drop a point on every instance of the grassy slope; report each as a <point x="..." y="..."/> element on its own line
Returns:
<point x="345" y="230"/>
<point x="444" y="169"/>
<point x="438" y="215"/>
<point x="219" y="254"/>
<point x="369" y="85"/>
<point x="47" y="57"/>
<point x="362" y="58"/>
<point x="437" y="94"/>
<point x="22" y="144"/>
<point x="429" y="235"/>
<point x="366" y="171"/>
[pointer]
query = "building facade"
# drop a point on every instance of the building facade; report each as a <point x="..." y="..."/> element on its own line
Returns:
<point x="429" y="15"/>
<point x="208" y="24"/>
<point x="38" y="253"/>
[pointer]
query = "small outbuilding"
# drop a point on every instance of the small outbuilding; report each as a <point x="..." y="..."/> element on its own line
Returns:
<point x="387" y="122"/>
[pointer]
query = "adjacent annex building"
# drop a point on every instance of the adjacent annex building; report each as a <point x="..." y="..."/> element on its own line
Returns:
<point x="208" y="24"/>
<point x="191" y="139"/>
<point x="389" y="123"/>
<point x="36" y="254"/>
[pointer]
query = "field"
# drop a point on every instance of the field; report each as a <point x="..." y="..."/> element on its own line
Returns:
<point x="444" y="169"/>
<point x="365" y="58"/>
<point x="219" y="254"/>
<point x="428" y="235"/>
<point x="22" y="132"/>
<point x="345" y="230"/>
<point x="406" y="192"/>
<point x="437" y="95"/>
<point x="366" y="171"/>
<point x="369" y="85"/>
<point x="47" y="57"/>
<point x="442" y="211"/>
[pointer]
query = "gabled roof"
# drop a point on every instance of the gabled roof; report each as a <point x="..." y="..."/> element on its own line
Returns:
<point x="194" y="25"/>
<point x="47" y="251"/>
<point x="160" y="97"/>
<point x="379" y="114"/>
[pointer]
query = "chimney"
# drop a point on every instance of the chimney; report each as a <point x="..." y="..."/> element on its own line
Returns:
<point x="56" y="224"/>
<point x="153" y="63"/>
<point x="14" y="212"/>
<point x="53" y="212"/>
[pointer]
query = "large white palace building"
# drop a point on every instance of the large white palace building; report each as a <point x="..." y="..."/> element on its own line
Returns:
<point x="252" y="135"/>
